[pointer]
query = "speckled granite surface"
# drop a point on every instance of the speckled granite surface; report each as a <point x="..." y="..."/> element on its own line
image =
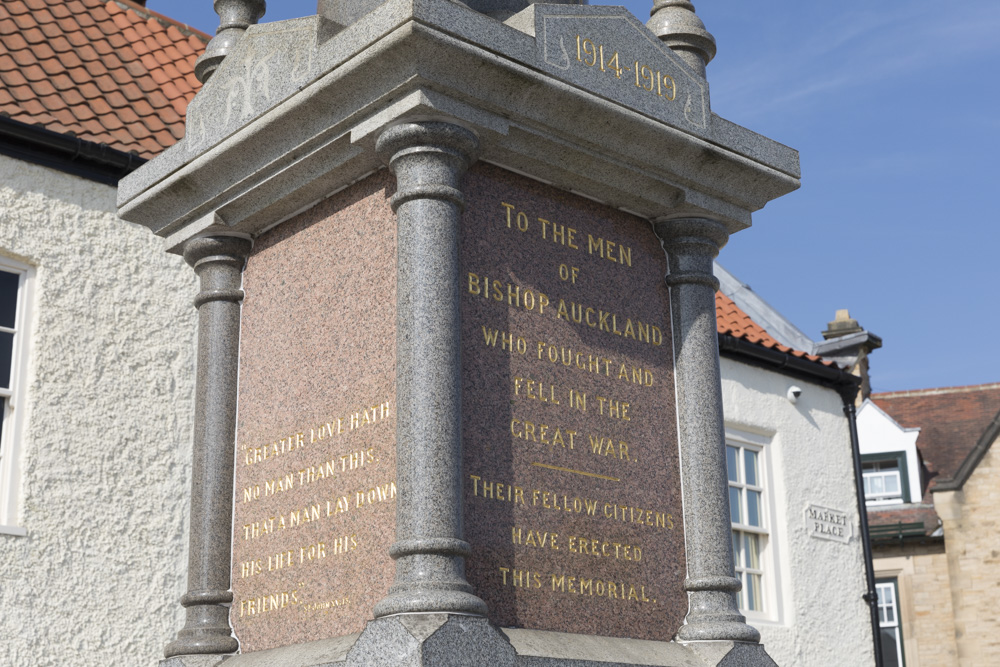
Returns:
<point x="316" y="430"/>
<point x="574" y="515"/>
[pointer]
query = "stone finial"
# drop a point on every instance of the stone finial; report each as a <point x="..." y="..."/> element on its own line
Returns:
<point x="675" y="22"/>
<point x="236" y="16"/>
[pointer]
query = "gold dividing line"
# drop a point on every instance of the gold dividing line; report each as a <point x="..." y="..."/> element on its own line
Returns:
<point x="576" y="472"/>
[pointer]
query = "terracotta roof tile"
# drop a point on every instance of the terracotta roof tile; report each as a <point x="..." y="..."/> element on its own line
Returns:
<point x="732" y="321"/>
<point x="951" y="421"/>
<point x="92" y="67"/>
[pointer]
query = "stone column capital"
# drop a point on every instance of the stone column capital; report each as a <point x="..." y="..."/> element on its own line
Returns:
<point x="691" y="245"/>
<point x="427" y="158"/>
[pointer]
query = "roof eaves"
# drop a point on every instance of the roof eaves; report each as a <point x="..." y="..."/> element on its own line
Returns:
<point x="845" y="383"/>
<point x="761" y="312"/>
<point x="94" y="161"/>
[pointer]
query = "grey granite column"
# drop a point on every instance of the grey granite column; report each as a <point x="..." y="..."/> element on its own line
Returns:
<point x="219" y="262"/>
<point x="691" y="245"/>
<point x="428" y="159"/>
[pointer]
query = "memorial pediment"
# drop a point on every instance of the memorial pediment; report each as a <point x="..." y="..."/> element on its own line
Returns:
<point x="268" y="66"/>
<point x="609" y="52"/>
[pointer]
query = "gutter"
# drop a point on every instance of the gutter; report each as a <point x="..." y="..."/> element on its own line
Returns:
<point x="87" y="159"/>
<point x="847" y="385"/>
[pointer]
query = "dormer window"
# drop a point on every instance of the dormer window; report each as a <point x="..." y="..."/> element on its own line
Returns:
<point x="885" y="478"/>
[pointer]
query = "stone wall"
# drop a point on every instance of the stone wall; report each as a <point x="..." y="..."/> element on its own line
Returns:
<point x="925" y="611"/>
<point x="971" y="518"/>
<point x="105" y="455"/>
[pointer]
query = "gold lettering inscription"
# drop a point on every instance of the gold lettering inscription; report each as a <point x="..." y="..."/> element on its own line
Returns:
<point x="355" y="420"/>
<point x="591" y="363"/>
<point x="269" y="603"/>
<point x="575" y="545"/>
<point x="593" y="55"/>
<point x="613" y="590"/>
<point x="543" y="434"/>
<point x="576" y="585"/>
<point x="295" y="518"/>
<point x="327" y="606"/>
<point x="507" y="341"/>
<point x="656" y="520"/>
<point x="609" y="250"/>
<point x="535" y="390"/>
<point x="509" y="293"/>
<point x="601" y="446"/>
<point x="327" y="470"/>
<point x="613" y="408"/>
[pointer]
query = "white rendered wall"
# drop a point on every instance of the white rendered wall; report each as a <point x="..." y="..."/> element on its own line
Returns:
<point x="815" y="614"/>
<point x="106" y="450"/>
<point x="879" y="433"/>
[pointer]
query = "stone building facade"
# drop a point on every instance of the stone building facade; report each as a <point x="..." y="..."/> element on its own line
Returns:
<point x="935" y="545"/>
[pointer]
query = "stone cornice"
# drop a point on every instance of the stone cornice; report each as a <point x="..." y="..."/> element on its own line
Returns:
<point x="313" y="131"/>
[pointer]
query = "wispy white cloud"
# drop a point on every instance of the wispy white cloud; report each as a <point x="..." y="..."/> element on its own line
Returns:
<point x="855" y="48"/>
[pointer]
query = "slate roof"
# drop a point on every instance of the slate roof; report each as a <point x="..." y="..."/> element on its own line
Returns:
<point x="110" y="72"/>
<point x="732" y="321"/>
<point x="951" y="422"/>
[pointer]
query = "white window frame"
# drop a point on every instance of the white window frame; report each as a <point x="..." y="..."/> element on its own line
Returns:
<point x="884" y="498"/>
<point x="14" y="401"/>
<point x="768" y="565"/>
<point x="889" y="604"/>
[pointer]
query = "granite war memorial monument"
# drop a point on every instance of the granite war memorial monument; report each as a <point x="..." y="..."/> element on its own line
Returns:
<point x="458" y="380"/>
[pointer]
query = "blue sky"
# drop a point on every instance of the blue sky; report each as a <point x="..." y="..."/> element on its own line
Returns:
<point x="895" y="108"/>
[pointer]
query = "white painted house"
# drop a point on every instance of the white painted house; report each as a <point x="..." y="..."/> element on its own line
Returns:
<point x="796" y="521"/>
<point x="97" y="338"/>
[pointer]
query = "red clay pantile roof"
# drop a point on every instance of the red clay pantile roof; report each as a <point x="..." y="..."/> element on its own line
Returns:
<point x="732" y="321"/>
<point x="107" y="71"/>
<point x="951" y="421"/>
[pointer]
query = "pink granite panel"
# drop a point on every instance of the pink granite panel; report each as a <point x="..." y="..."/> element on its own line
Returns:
<point x="314" y="512"/>
<point x="571" y="483"/>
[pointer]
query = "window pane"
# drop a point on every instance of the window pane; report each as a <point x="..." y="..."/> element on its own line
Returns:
<point x="6" y="350"/>
<point x="750" y="457"/>
<point x="890" y="650"/>
<point x="733" y="463"/>
<point x="735" y="511"/>
<point x="753" y="592"/>
<point x="892" y="484"/>
<point x="737" y="556"/>
<point x="753" y="508"/>
<point x="3" y="413"/>
<point x="752" y="554"/>
<point x="8" y="298"/>
<point x="868" y="486"/>
<point x="877" y="487"/>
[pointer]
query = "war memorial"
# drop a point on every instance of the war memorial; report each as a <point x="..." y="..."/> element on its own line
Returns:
<point x="458" y="394"/>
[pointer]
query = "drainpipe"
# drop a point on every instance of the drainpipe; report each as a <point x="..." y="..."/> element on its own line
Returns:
<point x="871" y="597"/>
